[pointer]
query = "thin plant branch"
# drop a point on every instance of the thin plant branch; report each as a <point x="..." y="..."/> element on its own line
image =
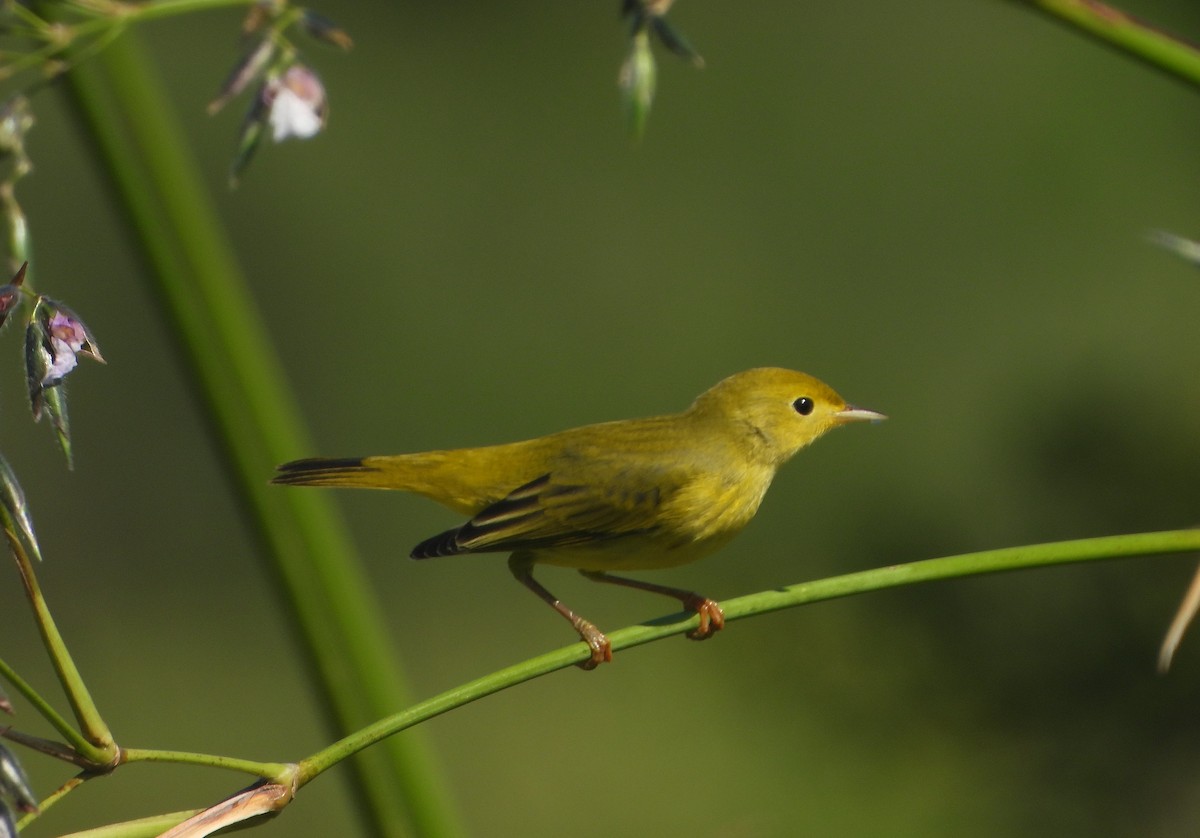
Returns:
<point x="97" y="744"/>
<point x="271" y="797"/>
<point x="968" y="564"/>
<point x="1135" y="37"/>
<point x="276" y="772"/>
<point x="43" y="707"/>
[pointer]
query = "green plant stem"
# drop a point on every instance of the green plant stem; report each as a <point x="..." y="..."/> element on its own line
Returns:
<point x="54" y="797"/>
<point x="97" y="744"/>
<point x="276" y="772"/>
<point x="233" y="366"/>
<point x="1114" y="27"/>
<point x="44" y="709"/>
<point x="169" y="8"/>
<point x="950" y="567"/>
<point x="140" y="828"/>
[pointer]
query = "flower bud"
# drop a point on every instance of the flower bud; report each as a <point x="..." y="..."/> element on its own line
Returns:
<point x="54" y="339"/>
<point x="10" y="294"/>
<point x="295" y="103"/>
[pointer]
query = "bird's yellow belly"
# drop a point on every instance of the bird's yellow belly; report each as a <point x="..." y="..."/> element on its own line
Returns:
<point x="633" y="552"/>
<point x="698" y="520"/>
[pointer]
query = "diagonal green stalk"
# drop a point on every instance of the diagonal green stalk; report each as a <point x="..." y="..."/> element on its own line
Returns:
<point x="140" y="828"/>
<point x="49" y="800"/>
<point x="140" y="147"/>
<point x="893" y="576"/>
<point x="1112" y="26"/>
<point x="97" y="744"/>
<point x="45" y="709"/>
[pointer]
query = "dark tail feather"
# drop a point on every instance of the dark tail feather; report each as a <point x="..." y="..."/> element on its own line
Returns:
<point x="319" y="471"/>
<point x="442" y="544"/>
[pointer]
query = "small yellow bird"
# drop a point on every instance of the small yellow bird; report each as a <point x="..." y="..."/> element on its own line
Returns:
<point x="627" y="495"/>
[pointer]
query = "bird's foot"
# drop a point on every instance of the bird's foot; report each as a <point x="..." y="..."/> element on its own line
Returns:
<point x="712" y="617"/>
<point x="597" y="642"/>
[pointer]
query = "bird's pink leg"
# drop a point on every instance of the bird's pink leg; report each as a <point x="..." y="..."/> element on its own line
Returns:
<point x="712" y="618"/>
<point x="601" y="648"/>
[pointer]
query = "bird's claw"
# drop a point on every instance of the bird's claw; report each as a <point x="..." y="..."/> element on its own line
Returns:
<point x="712" y="618"/>
<point x="599" y="644"/>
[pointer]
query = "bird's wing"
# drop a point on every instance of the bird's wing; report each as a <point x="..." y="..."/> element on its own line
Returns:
<point x="560" y="510"/>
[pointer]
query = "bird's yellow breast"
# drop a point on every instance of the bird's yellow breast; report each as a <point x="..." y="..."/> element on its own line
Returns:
<point x="695" y="521"/>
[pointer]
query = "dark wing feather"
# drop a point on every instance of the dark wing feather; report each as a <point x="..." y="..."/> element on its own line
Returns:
<point x="557" y="510"/>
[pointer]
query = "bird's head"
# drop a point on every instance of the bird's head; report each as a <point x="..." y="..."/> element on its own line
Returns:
<point x="775" y="412"/>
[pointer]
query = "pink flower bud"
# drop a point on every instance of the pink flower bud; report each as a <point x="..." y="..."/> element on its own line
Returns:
<point x="296" y="103"/>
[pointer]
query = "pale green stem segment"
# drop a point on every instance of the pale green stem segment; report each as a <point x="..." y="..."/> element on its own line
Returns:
<point x="96" y="744"/>
<point x="140" y="146"/>
<point x="140" y="828"/>
<point x="1135" y="37"/>
<point x="276" y="772"/>
<point x="968" y="564"/>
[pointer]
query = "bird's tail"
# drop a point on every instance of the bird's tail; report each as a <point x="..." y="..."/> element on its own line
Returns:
<point x="452" y="478"/>
<point x="356" y="472"/>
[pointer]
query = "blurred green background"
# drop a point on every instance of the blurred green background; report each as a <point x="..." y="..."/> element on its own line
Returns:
<point x="939" y="208"/>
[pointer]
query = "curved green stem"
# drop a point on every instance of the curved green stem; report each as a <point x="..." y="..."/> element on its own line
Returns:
<point x="276" y="772"/>
<point x="1127" y="33"/>
<point x="950" y="567"/>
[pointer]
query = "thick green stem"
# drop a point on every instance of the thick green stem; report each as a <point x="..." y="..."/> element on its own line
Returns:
<point x="234" y="367"/>
<point x="968" y="564"/>
<point x="1129" y="34"/>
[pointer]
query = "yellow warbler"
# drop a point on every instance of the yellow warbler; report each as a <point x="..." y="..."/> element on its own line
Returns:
<point x="626" y="495"/>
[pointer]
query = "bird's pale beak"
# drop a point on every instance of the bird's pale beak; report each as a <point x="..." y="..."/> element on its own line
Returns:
<point x="857" y="414"/>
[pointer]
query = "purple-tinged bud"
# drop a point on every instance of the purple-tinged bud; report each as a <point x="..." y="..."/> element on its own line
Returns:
<point x="10" y="294"/>
<point x="295" y="103"/>
<point x="54" y="339"/>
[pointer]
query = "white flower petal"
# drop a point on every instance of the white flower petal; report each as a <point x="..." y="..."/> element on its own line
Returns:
<point x="291" y="116"/>
<point x="62" y="362"/>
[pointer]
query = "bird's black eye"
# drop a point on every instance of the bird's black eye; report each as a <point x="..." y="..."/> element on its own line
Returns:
<point x="804" y="405"/>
